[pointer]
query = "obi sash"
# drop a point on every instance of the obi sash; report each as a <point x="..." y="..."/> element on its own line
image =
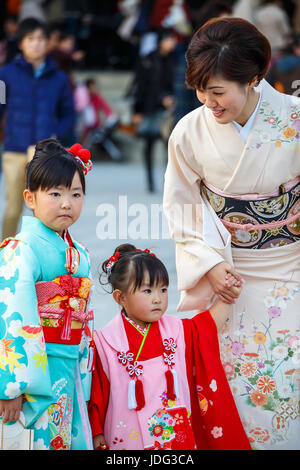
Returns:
<point x="259" y="221"/>
<point x="62" y="305"/>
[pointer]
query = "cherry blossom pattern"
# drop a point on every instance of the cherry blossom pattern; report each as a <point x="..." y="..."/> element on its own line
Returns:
<point x="169" y="344"/>
<point x="169" y="350"/>
<point x="124" y="358"/>
<point x="135" y="369"/>
<point x="217" y="432"/>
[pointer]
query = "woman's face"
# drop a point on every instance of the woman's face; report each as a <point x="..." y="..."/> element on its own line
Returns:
<point x="228" y="101"/>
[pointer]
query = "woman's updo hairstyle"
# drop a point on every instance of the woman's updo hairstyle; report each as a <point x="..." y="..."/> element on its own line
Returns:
<point x="232" y="48"/>
<point x="128" y="272"/>
<point x="52" y="165"/>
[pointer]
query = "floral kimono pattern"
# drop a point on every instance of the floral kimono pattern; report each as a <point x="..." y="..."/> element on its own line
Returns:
<point x="52" y="377"/>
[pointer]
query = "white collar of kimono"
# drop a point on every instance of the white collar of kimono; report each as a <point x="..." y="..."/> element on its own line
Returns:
<point x="245" y="130"/>
<point x="64" y="237"/>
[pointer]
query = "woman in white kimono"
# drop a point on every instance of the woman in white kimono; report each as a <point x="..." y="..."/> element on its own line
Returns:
<point x="232" y="199"/>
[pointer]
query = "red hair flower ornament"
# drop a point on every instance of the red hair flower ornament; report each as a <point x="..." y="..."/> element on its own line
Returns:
<point x="112" y="260"/>
<point x="83" y="156"/>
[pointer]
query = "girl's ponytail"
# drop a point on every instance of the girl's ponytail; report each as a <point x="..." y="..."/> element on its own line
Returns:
<point x="126" y="248"/>
<point x="127" y="267"/>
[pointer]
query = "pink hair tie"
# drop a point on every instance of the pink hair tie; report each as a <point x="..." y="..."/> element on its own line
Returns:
<point x="83" y="156"/>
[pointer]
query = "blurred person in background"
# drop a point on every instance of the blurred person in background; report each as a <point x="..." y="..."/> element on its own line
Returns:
<point x="284" y="75"/>
<point x="296" y="19"/>
<point x="54" y="32"/>
<point x="39" y="104"/>
<point x="272" y="21"/>
<point x="11" y="38"/>
<point x="64" y="53"/>
<point x="152" y="91"/>
<point x="244" y="9"/>
<point x="94" y="110"/>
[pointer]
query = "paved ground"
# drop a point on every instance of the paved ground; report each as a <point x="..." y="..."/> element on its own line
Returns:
<point x="111" y="187"/>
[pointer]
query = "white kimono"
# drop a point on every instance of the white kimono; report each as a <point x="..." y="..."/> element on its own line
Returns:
<point x="260" y="344"/>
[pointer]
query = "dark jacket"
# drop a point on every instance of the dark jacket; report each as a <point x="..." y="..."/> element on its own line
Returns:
<point x="284" y="75"/>
<point x="35" y="108"/>
<point x="154" y="79"/>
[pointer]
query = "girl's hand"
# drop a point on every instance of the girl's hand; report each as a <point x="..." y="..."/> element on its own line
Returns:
<point x="10" y="409"/>
<point x="100" y="443"/>
<point x="230" y="281"/>
<point x="224" y="281"/>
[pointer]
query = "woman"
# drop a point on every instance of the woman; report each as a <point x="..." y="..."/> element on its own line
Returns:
<point x="231" y="197"/>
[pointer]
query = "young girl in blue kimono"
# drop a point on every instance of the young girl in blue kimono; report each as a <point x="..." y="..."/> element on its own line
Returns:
<point x="45" y="314"/>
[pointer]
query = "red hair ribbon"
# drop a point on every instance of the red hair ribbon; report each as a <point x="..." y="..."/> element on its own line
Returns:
<point x="83" y="156"/>
<point x="112" y="260"/>
<point x="147" y="251"/>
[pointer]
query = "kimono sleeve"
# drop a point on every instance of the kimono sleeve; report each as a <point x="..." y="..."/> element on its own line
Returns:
<point x="212" y="402"/>
<point x="23" y="359"/>
<point x="183" y="207"/>
<point x="99" y="398"/>
<point x="85" y="351"/>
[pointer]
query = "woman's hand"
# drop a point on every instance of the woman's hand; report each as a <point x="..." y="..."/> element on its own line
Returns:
<point x="10" y="409"/>
<point x="100" y="443"/>
<point x="223" y="278"/>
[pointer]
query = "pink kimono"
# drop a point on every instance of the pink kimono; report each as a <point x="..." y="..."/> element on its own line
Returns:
<point x="193" y="418"/>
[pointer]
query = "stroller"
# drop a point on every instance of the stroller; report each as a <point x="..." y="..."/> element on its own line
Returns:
<point x="102" y="138"/>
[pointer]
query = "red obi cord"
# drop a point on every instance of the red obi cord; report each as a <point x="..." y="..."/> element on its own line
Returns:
<point x="53" y="335"/>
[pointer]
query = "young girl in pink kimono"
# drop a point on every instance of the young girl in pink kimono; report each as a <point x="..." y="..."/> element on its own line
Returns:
<point x="158" y="382"/>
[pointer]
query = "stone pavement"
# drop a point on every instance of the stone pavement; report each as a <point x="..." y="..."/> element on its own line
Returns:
<point x="121" y="186"/>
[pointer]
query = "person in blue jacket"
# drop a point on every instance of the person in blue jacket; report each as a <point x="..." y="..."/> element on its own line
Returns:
<point x="38" y="105"/>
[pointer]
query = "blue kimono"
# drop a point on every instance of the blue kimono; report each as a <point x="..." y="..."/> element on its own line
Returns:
<point x="44" y="334"/>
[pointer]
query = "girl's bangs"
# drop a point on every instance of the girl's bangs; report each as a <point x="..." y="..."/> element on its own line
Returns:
<point x="54" y="172"/>
<point x="58" y="173"/>
<point x="158" y="275"/>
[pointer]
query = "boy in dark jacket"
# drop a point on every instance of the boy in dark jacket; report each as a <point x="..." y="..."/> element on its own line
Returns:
<point x="39" y="104"/>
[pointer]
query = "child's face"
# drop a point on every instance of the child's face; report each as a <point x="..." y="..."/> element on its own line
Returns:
<point x="57" y="208"/>
<point x="93" y="88"/>
<point x="147" y="304"/>
<point x="34" y="45"/>
<point x="67" y="45"/>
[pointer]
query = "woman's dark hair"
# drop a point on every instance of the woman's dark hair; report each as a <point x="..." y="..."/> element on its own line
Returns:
<point x="28" y="26"/>
<point x="129" y="270"/>
<point x="230" y="47"/>
<point x="52" y="165"/>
